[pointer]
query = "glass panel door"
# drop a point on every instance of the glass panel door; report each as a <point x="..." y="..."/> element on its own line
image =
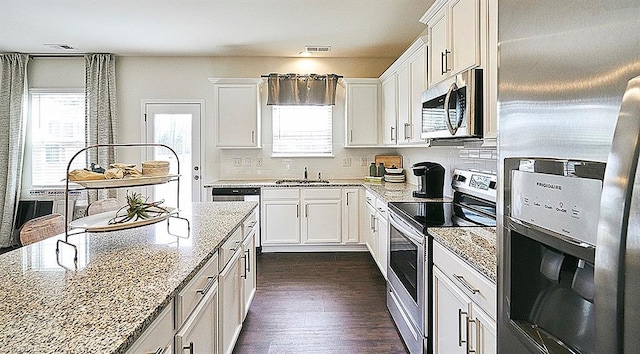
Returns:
<point x="178" y="126"/>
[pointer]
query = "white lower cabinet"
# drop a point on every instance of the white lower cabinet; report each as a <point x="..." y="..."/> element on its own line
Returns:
<point x="249" y="276"/>
<point x="321" y="222"/>
<point x="158" y="337"/>
<point x="231" y="300"/>
<point x="463" y="307"/>
<point x="198" y="334"/>
<point x="378" y="233"/>
<point x="351" y="215"/>
<point x="296" y="218"/>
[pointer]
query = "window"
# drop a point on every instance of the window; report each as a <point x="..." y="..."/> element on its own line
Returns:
<point x="302" y="130"/>
<point x="57" y="132"/>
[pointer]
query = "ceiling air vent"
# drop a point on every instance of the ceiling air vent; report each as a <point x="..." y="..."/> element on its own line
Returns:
<point x="317" y="48"/>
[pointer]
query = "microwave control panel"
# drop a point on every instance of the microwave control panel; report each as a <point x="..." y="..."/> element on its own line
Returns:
<point x="567" y="205"/>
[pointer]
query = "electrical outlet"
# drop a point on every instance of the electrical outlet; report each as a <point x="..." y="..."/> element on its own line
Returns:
<point x="346" y="162"/>
<point x="258" y="162"/>
<point x="237" y="162"/>
<point x="247" y="162"/>
<point x="364" y="162"/>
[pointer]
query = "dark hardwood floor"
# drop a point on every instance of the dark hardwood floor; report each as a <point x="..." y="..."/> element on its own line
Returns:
<point x="319" y="303"/>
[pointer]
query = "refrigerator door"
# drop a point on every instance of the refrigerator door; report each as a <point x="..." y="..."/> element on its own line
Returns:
<point x="617" y="273"/>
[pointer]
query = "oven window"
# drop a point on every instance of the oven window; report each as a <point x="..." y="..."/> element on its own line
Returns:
<point x="403" y="261"/>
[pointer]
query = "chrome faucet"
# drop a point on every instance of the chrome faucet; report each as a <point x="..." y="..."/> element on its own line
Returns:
<point x="306" y="173"/>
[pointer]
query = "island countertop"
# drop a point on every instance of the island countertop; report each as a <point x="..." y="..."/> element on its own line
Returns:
<point x="123" y="281"/>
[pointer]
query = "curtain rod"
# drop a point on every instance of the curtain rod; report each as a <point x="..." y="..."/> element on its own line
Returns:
<point x="56" y="55"/>
<point x="338" y="76"/>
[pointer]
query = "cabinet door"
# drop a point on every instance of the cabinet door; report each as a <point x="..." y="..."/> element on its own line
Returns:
<point x="362" y="112"/>
<point x="484" y="332"/>
<point x="465" y="34"/>
<point x="322" y="221"/>
<point x="351" y="213"/>
<point x="249" y="276"/>
<point x="198" y="334"/>
<point x="158" y="337"/>
<point x="236" y="107"/>
<point x="389" y="111"/>
<point x="404" y="103"/>
<point x="451" y="309"/>
<point x="231" y="297"/>
<point x="372" y="237"/>
<point x="281" y="221"/>
<point x="417" y="68"/>
<point x="383" y="244"/>
<point x="438" y="47"/>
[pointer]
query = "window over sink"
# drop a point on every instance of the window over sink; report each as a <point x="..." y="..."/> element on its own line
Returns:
<point x="302" y="131"/>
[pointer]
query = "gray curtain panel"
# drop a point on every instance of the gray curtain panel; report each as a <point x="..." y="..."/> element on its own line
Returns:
<point x="302" y="90"/>
<point x="101" y="113"/>
<point x="13" y="90"/>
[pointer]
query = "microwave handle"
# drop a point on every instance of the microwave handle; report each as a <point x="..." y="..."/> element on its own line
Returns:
<point x="447" y="118"/>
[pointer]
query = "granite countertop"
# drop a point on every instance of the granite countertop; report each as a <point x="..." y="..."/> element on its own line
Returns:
<point x="475" y="245"/>
<point x="123" y="281"/>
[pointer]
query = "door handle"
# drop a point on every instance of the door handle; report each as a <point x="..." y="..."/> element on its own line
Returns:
<point x="253" y="137"/>
<point x="190" y="347"/>
<point x="460" y="340"/>
<point x="406" y="136"/>
<point x="444" y="62"/>
<point x="392" y="129"/>
<point x="477" y="323"/>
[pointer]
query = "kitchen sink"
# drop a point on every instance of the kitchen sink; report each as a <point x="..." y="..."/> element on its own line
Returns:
<point x="302" y="181"/>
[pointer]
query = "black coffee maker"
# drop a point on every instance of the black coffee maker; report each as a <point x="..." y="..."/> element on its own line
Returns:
<point x="430" y="181"/>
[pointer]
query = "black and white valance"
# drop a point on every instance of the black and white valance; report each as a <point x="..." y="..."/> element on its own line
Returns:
<point x="302" y="90"/>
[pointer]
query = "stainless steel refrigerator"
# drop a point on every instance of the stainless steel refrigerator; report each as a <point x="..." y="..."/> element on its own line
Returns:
<point x="569" y="127"/>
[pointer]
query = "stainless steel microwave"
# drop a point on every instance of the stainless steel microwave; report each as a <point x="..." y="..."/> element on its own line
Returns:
<point x="462" y="117"/>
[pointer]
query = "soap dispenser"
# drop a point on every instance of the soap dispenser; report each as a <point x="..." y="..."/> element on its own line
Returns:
<point x="381" y="170"/>
<point x="372" y="169"/>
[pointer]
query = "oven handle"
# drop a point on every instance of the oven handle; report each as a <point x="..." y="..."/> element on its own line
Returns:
<point x="411" y="233"/>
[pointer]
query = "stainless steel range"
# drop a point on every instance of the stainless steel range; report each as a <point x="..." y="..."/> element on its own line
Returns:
<point x="409" y="286"/>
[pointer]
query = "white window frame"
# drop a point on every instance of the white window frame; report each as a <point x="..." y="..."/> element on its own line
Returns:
<point x="300" y="153"/>
<point x="27" y="176"/>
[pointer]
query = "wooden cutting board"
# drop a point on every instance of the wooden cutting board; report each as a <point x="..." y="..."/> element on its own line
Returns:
<point x="389" y="160"/>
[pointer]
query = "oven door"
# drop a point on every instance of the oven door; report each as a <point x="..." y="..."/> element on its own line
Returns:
<point x="405" y="297"/>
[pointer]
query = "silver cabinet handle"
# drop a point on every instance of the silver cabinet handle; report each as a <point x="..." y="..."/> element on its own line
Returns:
<point x="466" y="284"/>
<point x="445" y="59"/>
<point x="297" y="211"/>
<point x="347" y="198"/>
<point x="306" y="210"/>
<point x="469" y="322"/>
<point x="392" y="129"/>
<point x="206" y="287"/>
<point x="351" y="135"/>
<point x="190" y="347"/>
<point x="253" y="137"/>
<point x="244" y="274"/>
<point x="442" y="64"/>
<point x="374" y="224"/>
<point x="406" y="135"/>
<point x="460" y="340"/>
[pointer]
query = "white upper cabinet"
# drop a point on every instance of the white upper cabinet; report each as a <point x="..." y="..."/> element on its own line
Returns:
<point x="362" y="112"/>
<point x="454" y="30"/>
<point x="237" y="112"/>
<point x="389" y="110"/>
<point x="402" y="86"/>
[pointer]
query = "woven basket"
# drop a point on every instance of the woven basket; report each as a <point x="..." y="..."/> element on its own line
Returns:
<point x="155" y="168"/>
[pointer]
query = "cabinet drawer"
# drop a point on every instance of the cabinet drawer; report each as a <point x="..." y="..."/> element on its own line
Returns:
<point x="189" y="297"/>
<point x="322" y="193"/>
<point x="230" y="247"/>
<point x="381" y="207"/>
<point x="280" y="193"/>
<point x="250" y="224"/>
<point x="156" y="338"/>
<point x="370" y="198"/>
<point x="480" y="289"/>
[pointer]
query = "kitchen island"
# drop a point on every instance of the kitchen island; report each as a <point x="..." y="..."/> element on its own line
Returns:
<point x="123" y="281"/>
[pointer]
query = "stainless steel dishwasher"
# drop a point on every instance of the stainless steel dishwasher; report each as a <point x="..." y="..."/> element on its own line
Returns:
<point x="239" y="194"/>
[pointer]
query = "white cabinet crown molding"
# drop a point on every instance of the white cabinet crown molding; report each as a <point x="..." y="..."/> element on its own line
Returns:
<point x="414" y="47"/>
<point x="433" y="11"/>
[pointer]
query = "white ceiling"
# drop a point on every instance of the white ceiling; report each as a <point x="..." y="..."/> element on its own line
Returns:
<point x="353" y="28"/>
